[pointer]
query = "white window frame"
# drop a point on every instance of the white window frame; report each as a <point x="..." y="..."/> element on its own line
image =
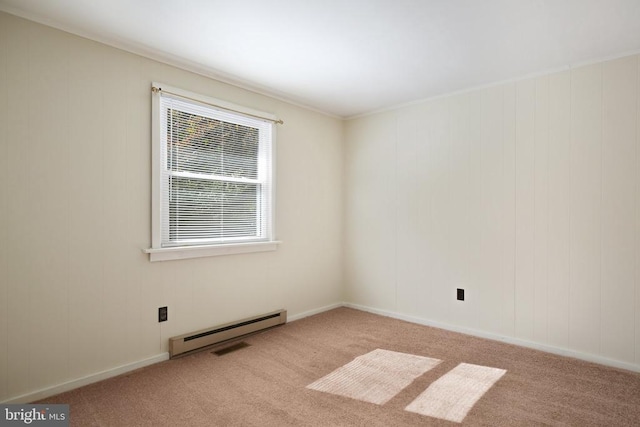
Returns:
<point x="159" y="253"/>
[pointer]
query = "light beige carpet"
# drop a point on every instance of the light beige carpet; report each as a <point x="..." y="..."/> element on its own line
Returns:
<point x="264" y="384"/>
<point x="376" y="376"/>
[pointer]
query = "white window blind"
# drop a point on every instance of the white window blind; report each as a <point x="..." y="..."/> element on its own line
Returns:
<point x="215" y="175"/>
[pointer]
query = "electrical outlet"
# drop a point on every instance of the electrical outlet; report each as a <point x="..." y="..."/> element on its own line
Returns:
<point x="460" y="296"/>
<point x="163" y="314"/>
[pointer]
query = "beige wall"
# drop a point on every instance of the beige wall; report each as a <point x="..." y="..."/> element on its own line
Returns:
<point x="77" y="295"/>
<point x="526" y="194"/>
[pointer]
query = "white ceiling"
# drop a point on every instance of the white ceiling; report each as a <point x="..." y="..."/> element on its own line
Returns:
<point x="350" y="57"/>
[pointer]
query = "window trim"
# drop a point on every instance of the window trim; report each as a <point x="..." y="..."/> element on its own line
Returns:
<point x="159" y="253"/>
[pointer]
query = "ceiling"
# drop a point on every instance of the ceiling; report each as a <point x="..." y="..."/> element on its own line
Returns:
<point x="352" y="57"/>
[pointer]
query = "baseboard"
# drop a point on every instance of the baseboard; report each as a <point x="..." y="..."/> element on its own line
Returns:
<point x="506" y="339"/>
<point x="89" y="379"/>
<point x="103" y="375"/>
<point x="314" y="311"/>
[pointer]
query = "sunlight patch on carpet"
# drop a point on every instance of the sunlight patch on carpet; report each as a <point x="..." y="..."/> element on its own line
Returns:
<point x="376" y="376"/>
<point x="453" y="395"/>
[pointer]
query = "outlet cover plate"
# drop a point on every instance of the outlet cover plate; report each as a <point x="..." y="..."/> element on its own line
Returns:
<point x="163" y="314"/>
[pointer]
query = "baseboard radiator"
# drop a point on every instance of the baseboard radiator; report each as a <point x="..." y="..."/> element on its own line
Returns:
<point x="229" y="331"/>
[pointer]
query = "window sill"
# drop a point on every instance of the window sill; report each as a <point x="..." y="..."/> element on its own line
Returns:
<point x="186" y="252"/>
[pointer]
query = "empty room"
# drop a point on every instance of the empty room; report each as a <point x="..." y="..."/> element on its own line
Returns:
<point x="319" y="213"/>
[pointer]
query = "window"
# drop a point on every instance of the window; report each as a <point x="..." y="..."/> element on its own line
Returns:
<point x="212" y="179"/>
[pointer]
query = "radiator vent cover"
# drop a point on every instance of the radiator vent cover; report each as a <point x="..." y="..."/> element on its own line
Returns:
<point x="218" y="334"/>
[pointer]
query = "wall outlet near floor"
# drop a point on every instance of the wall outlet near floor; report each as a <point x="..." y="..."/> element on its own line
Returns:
<point x="163" y="314"/>
<point x="460" y="294"/>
